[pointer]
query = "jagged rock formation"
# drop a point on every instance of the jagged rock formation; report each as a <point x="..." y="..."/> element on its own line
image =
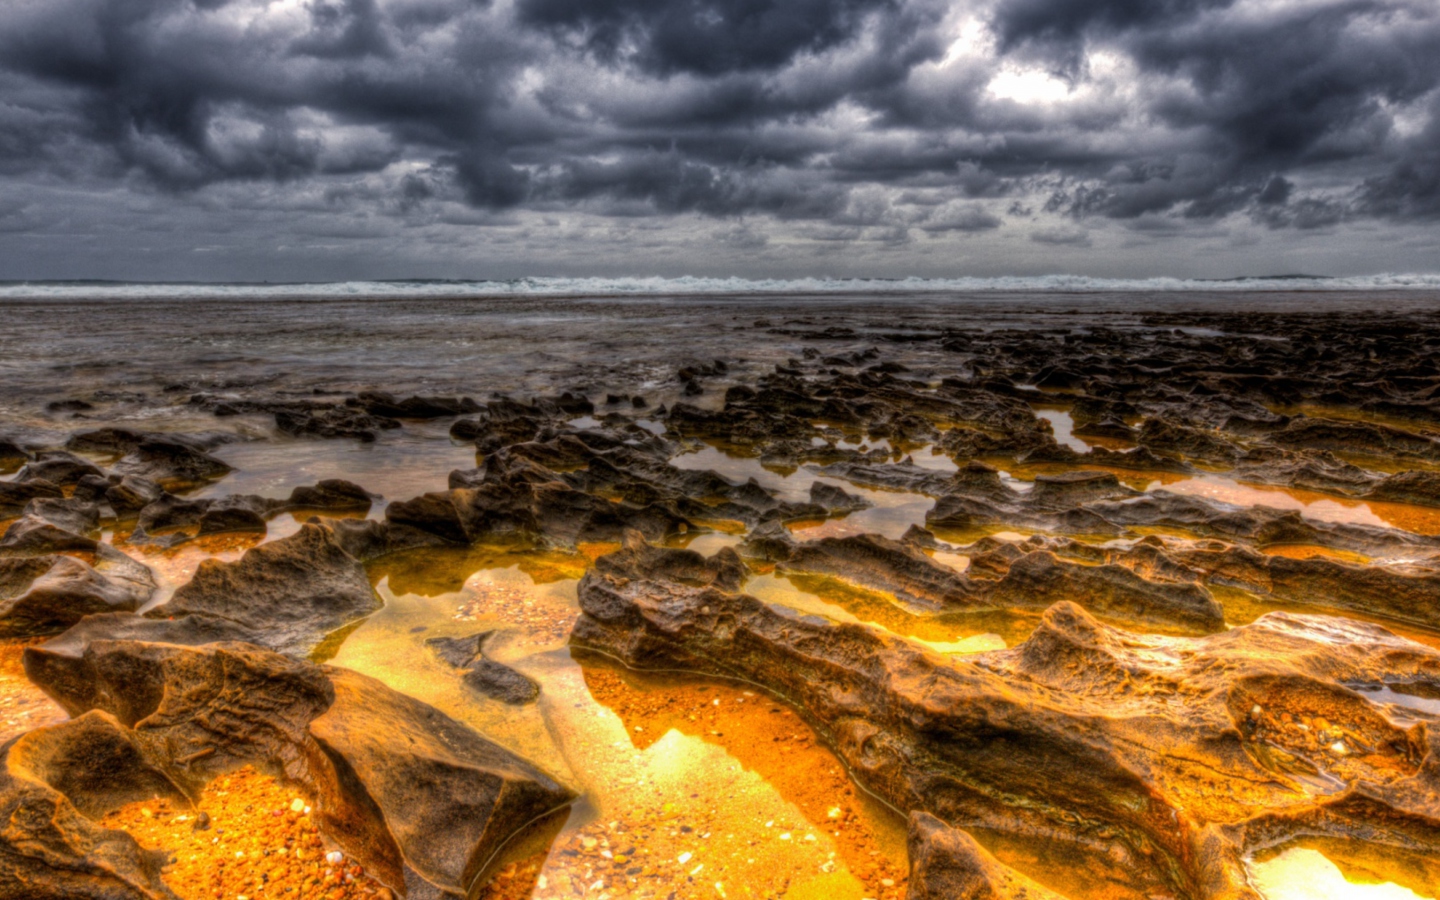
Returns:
<point x="1177" y="754"/>
<point x="421" y="801"/>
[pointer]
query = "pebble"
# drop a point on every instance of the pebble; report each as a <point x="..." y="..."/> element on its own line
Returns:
<point x="264" y="844"/>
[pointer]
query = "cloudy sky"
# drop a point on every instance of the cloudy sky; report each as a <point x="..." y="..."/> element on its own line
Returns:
<point x="320" y="139"/>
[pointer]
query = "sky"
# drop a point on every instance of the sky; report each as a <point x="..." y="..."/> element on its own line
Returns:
<point x="349" y="139"/>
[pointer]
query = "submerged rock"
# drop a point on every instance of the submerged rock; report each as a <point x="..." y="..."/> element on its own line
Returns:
<point x="495" y="680"/>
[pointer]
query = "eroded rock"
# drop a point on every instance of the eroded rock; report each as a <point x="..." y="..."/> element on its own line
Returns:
<point x="420" y="800"/>
<point x="1163" y="741"/>
<point x="289" y="593"/>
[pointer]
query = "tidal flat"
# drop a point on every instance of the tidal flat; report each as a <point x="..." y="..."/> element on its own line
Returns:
<point x="1090" y="596"/>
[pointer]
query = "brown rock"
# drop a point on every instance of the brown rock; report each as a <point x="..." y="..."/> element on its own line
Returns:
<point x="1081" y="729"/>
<point x="947" y="864"/>
<point x="49" y="849"/>
<point x="290" y="593"/>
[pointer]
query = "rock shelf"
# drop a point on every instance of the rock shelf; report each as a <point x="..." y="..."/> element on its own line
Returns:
<point x="1012" y="580"/>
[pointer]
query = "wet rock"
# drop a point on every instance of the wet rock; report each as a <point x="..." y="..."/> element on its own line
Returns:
<point x="875" y="562"/>
<point x="95" y="762"/>
<point x="68" y="406"/>
<point x="1308" y="469"/>
<point x="421" y="801"/>
<point x="231" y="521"/>
<point x="836" y="500"/>
<point x="106" y="441"/>
<point x="1075" y="489"/>
<point x="196" y="712"/>
<point x="1184" y="441"/>
<point x="12" y="455"/>
<point x="170" y="512"/>
<point x="983" y="503"/>
<point x="386" y="406"/>
<point x="1363" y="438"/>
<point x="33" y="534"/>
<point x="73" y="515"/>
<point x="448" y="797"/>
<point x="1147" y="729"/>
<point x="1255" y="526"/>
<point x="332" y="422"/>
<point x="897" y="476"/>
<point x="1091" y="410"/>
<point x="769" y="541"/>
<point x="49" y="849"/>
<point x="1419" y="487"/>
<point x="1040" y="579"/>
<point x="171" y="464"/>
<point x="57" y="467"/>
<point x="946" y="863"/>
<point x="519" y="500"/>
<point x="1404" y="592"/>
<point x="332" y="495"/>
<point x="15" y="495"/>
<point x="188" y="631"/>
<point x="128" y="496"/>
<point x="1140" y="459"/>
<point x="366" y="539"/>
<point x="47" y="594"/>
<point x="467" y="429"/>
<point x="1110" y="429"/>
<point x="291" y="592"/>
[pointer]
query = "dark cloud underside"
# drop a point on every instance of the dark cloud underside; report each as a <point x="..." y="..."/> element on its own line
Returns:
<point x="883" y="120"/>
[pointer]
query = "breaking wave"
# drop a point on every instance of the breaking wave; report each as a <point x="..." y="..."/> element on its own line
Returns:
<point x="691" y="286"/>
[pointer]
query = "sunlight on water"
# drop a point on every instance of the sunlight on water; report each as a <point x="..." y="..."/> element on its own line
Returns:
<point x="1300" y="873"/>
<point x="1063" y="426"/>
<point x="653" y="754"/>
<point x="1311" y="504"/>
<point x="399" y="465"/>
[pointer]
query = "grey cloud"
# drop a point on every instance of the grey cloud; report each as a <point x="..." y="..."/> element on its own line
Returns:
<point x="823" y="120"/>
<point x="704" y="37"/>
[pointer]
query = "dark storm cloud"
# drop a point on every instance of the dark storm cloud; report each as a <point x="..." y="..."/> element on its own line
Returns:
<point x="705" y="37"/>
<point x="866" y="118"/>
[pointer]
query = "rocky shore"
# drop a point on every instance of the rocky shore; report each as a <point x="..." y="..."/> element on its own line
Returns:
<point x="1155" y="595"/>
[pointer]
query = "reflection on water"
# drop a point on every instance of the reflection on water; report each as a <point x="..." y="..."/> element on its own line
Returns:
<point x="1301" y="873"/>
<point x="400" y="464"/>
<point x="891" y="515"/>
<point x="686" y="782"/>
<point x="23" y="706"/>
<point x="1064" y="428"/>
<point x="1312" y="505"/>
